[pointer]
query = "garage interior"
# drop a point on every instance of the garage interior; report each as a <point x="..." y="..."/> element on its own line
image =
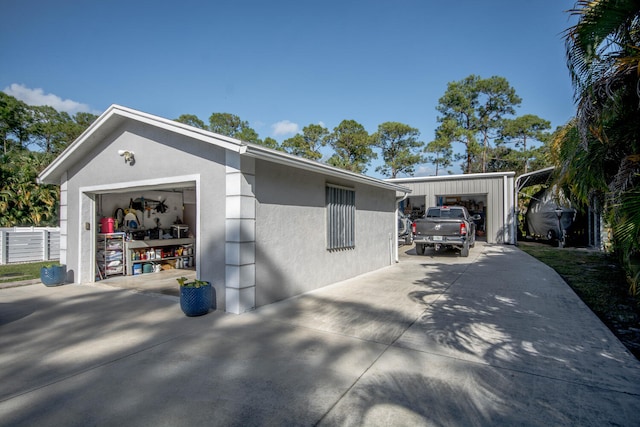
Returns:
<point x="146" y="230"/>
<point x="415" y="207"/>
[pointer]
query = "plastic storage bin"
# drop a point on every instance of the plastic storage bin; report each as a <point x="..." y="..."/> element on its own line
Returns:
<point x="180" y="231"/>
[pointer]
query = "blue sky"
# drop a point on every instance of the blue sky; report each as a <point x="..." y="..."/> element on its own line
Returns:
<point x="281" y="65"/>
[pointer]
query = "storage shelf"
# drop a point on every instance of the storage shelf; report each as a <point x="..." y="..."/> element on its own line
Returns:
<point x="155" y="243"/>
<point x="152" y="244"/>
<point x="138" y="261"/>
<point x="110" y="248"/>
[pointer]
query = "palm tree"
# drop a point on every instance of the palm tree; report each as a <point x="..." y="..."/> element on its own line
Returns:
<point x="603" y="52"/>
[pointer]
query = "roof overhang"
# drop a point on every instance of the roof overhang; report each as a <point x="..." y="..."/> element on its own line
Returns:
<point x="451" y="177"/>
<point x="275" y="156"/>
<point x="539" y="177"/>
<point x="115" y="116"/>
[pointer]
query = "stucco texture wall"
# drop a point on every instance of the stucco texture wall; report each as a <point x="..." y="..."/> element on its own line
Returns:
<point x="159" y="155"/>
<point x="291" y="254"/>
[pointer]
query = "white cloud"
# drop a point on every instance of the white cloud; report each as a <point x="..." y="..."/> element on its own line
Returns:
<point x="38" y="97"/>
<point x="285" y="127"/>
<point x="424" y="170"/>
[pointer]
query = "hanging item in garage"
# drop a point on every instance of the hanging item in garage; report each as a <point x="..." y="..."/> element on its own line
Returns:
<point x="136" y="204"/>
<point x="161" y="207"/>
<point x="131" y="219"/>
<point x="119" y="217"/>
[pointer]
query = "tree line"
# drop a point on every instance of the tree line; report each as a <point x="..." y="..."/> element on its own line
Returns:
<point x="597" y="154"/>
<point x="477" y="113"/>
<point x="32" y="136"/>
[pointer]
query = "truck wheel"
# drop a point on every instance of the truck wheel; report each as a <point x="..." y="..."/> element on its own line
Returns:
<point x="464" y="252"/>
<point x="420" y="249"/>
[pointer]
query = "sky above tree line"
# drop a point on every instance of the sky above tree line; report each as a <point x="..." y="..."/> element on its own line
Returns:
<point x="283" y="65"/>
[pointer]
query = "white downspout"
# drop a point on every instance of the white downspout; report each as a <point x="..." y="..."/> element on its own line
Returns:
<point x="505" y="208"/>
<point x="394" y="238"/>
<point x="514" y="213"/>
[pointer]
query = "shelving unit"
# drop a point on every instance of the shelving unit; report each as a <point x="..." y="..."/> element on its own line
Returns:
<point x="110" y="251"/>
<point x="159" y="251"/>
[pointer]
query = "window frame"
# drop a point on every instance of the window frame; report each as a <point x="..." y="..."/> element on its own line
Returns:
<point x="340" y="205"/>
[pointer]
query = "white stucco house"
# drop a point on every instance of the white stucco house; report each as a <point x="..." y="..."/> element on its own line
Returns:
<point x="263" y="225"/>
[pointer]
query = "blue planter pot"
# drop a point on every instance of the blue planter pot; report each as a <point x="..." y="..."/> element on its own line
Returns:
<point x="54" y="275"/>
<point x="196" y="301"/>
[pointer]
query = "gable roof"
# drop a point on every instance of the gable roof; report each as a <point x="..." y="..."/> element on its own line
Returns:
<point x="116" y="115"/>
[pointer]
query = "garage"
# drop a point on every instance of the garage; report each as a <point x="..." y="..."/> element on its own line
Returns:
<point x="145" y="230"/>
<point x="491" y="195"/>
<point x="141" y="193"/>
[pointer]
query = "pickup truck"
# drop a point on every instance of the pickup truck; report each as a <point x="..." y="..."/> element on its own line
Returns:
<point x="446" y="227"/>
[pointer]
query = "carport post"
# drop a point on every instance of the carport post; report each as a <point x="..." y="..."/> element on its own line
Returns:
<point x="3" y="248"/>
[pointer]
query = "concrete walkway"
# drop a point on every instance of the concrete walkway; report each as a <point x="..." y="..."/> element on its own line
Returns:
<point x="494" y="339"/>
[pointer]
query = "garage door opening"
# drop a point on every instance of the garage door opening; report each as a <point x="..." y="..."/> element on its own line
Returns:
<point x="415" y="207"/>
<point x="144" y="233"/>
<point x="476" y="204"/>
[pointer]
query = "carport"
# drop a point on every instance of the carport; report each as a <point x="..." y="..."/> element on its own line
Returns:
<point x="591" y="220"/>
<point x="489" y="194"/>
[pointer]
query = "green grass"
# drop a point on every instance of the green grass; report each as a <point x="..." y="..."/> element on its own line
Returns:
<point x="599" y="280"/>
<point x="18" y="272"/>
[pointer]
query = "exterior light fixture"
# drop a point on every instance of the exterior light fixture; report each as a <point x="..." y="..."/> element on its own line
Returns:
<point x="128" y="156"/>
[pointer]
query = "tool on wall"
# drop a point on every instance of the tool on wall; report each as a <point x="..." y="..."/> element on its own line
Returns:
<point x="161" y="207"/>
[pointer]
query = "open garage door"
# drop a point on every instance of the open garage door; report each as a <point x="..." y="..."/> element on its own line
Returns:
<point x="476" y="204"/>
<point x="145" y="229"/>
<point x="415" y="207"/>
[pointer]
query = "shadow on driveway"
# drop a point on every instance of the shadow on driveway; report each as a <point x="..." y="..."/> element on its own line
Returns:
<point x="496" y="338"/>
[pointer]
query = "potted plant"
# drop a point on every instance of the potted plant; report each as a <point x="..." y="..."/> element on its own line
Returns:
<point x="53" y="274"/>
<point x="196" y="296"/>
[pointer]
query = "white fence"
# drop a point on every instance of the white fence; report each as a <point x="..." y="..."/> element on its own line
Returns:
<point x="29" y="244"/>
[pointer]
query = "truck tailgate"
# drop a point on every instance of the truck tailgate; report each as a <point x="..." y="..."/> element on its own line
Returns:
<point x="437" y="227"/>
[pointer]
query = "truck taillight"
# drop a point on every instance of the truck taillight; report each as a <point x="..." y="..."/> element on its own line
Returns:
<point x="413" y="227"/>
<point x="463" y="229"/>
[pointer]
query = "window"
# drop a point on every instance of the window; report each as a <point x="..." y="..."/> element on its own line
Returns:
<point x="341" y="217"/>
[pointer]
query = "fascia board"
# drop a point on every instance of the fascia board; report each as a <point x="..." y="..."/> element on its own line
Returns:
<point x="274" y="156"/>
<point x="48" y="174"/>
<point x="113" y="117"/>
<point x="222" y="141"/>
<point x="451" y="177"/>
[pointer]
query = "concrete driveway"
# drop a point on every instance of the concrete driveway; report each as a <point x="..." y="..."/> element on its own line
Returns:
<point x="494" y="339"/>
